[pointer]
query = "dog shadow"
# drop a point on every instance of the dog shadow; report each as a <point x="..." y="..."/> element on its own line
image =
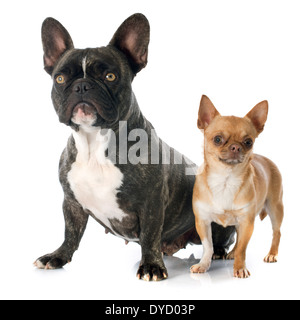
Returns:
<point x="180" y="268"/>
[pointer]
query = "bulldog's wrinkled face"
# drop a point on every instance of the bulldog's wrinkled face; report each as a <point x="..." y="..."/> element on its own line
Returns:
<point x="91" y="87"/>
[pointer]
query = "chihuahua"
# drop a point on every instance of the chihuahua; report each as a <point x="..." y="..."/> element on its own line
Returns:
<point x="234" y="185"/>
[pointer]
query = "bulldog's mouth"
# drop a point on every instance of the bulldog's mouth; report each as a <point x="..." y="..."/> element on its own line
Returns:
<point x="84" y="114"/>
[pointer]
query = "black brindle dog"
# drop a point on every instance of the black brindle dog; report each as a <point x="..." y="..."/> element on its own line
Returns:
<point x="114" y="167"/>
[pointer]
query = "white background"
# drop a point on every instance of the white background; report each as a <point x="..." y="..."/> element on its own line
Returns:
<point x="236" y="52"/>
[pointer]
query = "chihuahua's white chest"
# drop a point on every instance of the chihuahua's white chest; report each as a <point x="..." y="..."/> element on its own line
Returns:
<point x="224" y="187"/>
<point x="219" y="205"/>
<point x="93" y="178"/>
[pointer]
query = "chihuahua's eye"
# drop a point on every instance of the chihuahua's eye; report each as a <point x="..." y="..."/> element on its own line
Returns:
<point x="218" y="140"/>
<point x="248" y="143"/>
<point x="60" y="79"/>
<point x="110" y="77"/>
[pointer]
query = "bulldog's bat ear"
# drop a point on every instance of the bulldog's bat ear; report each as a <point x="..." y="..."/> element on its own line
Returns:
<point x="56" y="41"/>
<point x="132" y="38"/>
<point x="207" y="112"/>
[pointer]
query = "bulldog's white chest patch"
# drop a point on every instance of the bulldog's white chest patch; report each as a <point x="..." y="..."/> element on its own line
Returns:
<point x="93" y="178"/>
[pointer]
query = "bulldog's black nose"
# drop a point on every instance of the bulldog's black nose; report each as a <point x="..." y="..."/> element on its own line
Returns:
<point x="82" y="87"/>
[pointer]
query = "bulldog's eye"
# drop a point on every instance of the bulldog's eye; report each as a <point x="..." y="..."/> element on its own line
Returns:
<point x="110" y="77"/>
<point x="218" y="140"/>
<point x="60" y="79"/>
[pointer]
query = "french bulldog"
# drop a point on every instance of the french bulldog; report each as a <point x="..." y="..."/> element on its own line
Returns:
<point x="115" y="168"/>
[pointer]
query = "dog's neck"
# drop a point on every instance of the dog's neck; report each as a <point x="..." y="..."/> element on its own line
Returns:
<point x="91" y="144"/>
<point x="219" y="175"/>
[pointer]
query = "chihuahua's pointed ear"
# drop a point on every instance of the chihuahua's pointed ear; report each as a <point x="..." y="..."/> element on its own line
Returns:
<point x="132" y="38"/>
<point x="207" y="112"/>
<point x="258" y="116"/>
<point x="56" y="41"/>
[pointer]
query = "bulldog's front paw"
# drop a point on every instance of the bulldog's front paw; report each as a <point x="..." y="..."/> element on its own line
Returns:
<point x="153" y="272"/>
<point x="51" y="261"/>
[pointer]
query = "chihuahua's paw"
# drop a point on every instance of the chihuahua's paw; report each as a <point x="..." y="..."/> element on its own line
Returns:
<point x="51" y="262"/>
<point x="271" y="258"/>
<point x="200" y="268"/>
<point x="153" y="272"/>
<point x="241" y="273"/>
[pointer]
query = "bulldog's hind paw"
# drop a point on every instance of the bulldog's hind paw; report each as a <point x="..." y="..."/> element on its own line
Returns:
<point x="153" y="272"/>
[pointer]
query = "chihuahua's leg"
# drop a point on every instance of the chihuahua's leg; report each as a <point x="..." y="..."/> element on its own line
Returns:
<point x="245" y="231"/>
<point x="276" y="213"/>
<point x="205" y="232"/>
<point x="75" y="220"/>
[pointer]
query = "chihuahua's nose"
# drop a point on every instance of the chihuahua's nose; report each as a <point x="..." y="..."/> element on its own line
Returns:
<point x="82" y="87"/>
<point x="235" y="148"/>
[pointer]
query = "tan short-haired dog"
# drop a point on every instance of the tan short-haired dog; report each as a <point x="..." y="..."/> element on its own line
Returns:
<point x="234" y="185"/>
